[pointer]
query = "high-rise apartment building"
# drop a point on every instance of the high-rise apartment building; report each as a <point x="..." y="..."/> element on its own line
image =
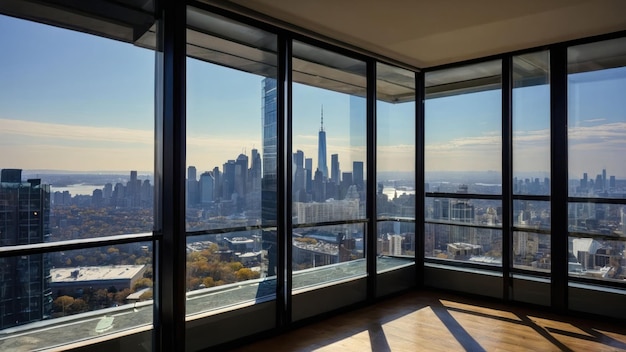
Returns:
<point x="25" y="294"/>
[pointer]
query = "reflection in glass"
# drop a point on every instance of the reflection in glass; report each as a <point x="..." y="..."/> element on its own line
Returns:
<point x="597" y="119"/>
<point x="531" y="124"/>
<point x="80" y="294"/>
<point x="463" y="134"/>
<point x="531" y="251"/>
<point x="463" y="243"/>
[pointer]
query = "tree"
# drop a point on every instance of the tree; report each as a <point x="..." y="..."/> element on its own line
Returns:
<point x="235" y="266"/>
<point x="247" y="274"/>
<point x="142" y="283"/>
<point x="146" y="295"/>
<point x="78" y="306"/>
<point x="61" y="304"/>
<point x="121" y="295"/>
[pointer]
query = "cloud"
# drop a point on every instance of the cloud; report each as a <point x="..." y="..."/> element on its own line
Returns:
<point x="606" y="132"/>
<point x="39" y="130"/>
<point x="593" y="120"/>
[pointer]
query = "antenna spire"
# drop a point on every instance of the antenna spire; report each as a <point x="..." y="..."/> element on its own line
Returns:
<point x="322" y="125"/>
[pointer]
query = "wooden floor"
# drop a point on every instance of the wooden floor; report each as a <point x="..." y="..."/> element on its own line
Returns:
<point x="435" y="321"/>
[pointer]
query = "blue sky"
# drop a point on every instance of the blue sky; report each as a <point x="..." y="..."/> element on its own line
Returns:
<point x="72" y="101"/>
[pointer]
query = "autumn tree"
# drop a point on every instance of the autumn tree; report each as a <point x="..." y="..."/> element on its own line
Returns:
<point x="79" y="306"/>
<point x="244" y="274"/>
<point x="62" y="304"/>
<point x="142" y="283"/>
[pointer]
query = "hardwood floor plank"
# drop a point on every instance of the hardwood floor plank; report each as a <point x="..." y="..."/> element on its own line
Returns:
<point x="434" y="321"/>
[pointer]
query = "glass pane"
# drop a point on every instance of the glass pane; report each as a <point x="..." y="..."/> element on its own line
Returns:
<point x="395" y="142"/>
<point x="597" y="119"/>
<point x="74" y="123"/>
<point x="326" y="254"/>
<point x="79" y="294"/>
<point x="396" y="239"/>
<point x="597" y="258"/>
<point x="329" y="136"/>
<point x="231" y="158"/>
<point x="531" y="251"/>
<point x="597" y="218"/>
<point x="227" y="269"/>
<point x="231" y="124"/>
<point x="463" y="133"/>
<point x="531" y="124"/>
<point x="531" y="214"/>
<point x="466" y="211"/>
<point x="463" y="243"/>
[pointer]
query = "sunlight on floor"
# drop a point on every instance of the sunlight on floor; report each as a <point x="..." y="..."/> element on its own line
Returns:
<point x="477" y="309"/>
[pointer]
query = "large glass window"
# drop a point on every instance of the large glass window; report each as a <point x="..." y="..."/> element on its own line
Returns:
<point x="231" y="162"/>
<point x="463" y="162"/>
<point x="395" y="162"/>
<point x="531" y="162"/>
<point x="329" y="160"/>
<point x="597" y="149"/>
<point x="77" y="139"/>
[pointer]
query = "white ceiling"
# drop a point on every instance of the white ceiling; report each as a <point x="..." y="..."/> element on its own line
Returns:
<point x="425" y="33"/>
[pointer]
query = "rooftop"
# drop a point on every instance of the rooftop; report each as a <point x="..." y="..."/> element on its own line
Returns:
<point x="92" y="273"/>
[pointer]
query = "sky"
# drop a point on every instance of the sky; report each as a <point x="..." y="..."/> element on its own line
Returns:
<point x="72" y="101"/>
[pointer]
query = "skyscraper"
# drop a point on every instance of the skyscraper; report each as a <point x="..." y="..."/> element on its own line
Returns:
<point x="357" y="175"/>
<point x="269" y="189"/>
<point x="241" y="176"/>
<point x="268" y="183"/>
<point x="134" y="189"/>
<point x="191" y="173"/>
<point x="192" y="186"/>
<point x="334" y="168"/>
<point x="308" y="168"/>
<point x="322" y="165"/>
<point x="207" y="185"/>
<point x="228" y="177"/>
<point x="25" y="294"/>
<point x="299" y="174"/>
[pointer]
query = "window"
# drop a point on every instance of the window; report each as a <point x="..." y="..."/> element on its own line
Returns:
<point x="596" y="142"/>
<point x="395" y="162"/>
<point x="77" y="131"/>
<point x="531" y="162"/>
<point x="329" y="164"/>
<point x="231" y="163"/>
<point x="463" y="162"/>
